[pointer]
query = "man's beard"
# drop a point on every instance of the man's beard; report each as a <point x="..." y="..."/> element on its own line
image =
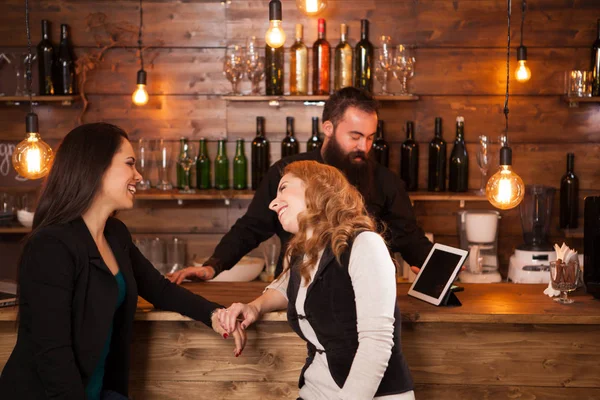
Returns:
<point x="359" y="173"/>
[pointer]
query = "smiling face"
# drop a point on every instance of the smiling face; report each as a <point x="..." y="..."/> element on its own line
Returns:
<point x="118" y="183"/>
<point x="290" y="202"/>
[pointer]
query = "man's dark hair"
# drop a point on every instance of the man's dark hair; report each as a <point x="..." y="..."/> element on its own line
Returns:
<point x="340" y="101"/>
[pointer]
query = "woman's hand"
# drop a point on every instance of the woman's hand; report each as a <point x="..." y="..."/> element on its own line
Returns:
<point x="238" y="313"/>
<point x="203" y="273"/>
<point x="239" y="334"/>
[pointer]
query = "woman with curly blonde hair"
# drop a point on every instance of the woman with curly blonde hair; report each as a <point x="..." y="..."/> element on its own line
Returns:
<point x="339" y="289"/>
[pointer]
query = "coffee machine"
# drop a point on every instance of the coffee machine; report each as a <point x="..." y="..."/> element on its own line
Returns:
<point x="531" y="261"/>
<point x="591" y="245"/>
<point x="478" y="232"/>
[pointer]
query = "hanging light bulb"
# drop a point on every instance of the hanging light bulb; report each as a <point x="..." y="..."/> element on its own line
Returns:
<point x="275" y="36"/>
<point x="32" y="157"/>
<point x="311" y="7"/>
<point x="140" y="96"/>
<point x="505" y="189"/>
<point x="522" y="73"/>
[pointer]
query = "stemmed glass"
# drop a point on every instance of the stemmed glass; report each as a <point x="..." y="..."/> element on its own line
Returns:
<point x="187" y="158"/>
<point x="564" y="277"/>
<point x="3" y="60"/>
<point x="384" y="63"/>
<point x="404" y="68"/>
<point x="233" y="67"/>
<point x="255" y="64"/>
<point x="144" y="159"/>
<point x="484" y="160"/>
<point x="163" y="157"/>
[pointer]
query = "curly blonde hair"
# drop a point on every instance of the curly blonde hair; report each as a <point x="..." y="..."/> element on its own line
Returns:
<point x="335" y="211"/>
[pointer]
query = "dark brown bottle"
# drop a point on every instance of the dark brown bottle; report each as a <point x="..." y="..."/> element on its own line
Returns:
<point x="314" y="142"/>
<point x="381" y="149"/>
<point x="260" y="154"/>
<point x="569" y="196"/>
<point x="45" y="56"/>
<point x="409" y="159"/>
<point x="436" y="180"/>
<point x="459" y="160"/>
<point x="289" y="144"/>
<point x="65" y="65"/>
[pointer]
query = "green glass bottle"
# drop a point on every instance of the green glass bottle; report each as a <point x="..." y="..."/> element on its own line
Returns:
<point x="240" y="167"/>
<point x="221" y="167"/>
<point x="203" y="166"/>
<point x="181" y="178"/>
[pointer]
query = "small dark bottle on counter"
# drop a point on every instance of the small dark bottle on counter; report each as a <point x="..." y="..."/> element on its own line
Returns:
<point x="203" y="166"/>
<point x="65" y="65"/>
<point x="45" y="58"/>
<point x="381" y="149"/>
<point x="314" y="142"/>
<point x="436" y="181"/>
<point x="459" y="160"/>
<point x="409" y="159"/>
<point x="289" y="144"/>
<point x="569" y="196"/>
<point x="260" y="154"/>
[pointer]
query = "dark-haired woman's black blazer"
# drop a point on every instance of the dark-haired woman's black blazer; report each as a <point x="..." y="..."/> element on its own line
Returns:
<point x="67" y="304"/>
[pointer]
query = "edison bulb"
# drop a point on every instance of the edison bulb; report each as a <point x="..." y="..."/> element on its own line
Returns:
<point x="140" y="96"/>
<point x="505" y="189"/>
<point x="275" y="36"/>
<point x="522" y="73"/>
<point x="32" y="157"/>
<point x="311" y="7"/>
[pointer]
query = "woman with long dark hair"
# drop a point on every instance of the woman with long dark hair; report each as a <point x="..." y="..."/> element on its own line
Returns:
<point x="80" y="275"/>
<point x="339" y="289"/>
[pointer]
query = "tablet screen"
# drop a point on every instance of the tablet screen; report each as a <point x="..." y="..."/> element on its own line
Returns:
<point x="433" y="279"/>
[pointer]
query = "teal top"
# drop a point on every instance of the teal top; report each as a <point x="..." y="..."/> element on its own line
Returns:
<point x="94" y="386"/>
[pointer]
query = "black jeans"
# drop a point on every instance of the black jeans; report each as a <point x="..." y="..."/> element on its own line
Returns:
<point x="111" y="395"/>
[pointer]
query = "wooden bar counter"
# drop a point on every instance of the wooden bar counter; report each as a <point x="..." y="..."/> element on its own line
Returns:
<point x="507" y="341"/>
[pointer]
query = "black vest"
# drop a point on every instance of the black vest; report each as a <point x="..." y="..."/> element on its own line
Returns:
<point x="331" y="310"/>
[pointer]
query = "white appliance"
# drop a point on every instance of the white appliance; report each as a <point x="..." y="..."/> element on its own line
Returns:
<point x="478" y="232"/>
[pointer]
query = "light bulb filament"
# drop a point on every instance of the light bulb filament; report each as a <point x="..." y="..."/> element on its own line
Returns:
<point x="33" y="159"/>
<point x="312" y="6"/>
<point x="140" y="96"/>
<point x="275" y="36"/>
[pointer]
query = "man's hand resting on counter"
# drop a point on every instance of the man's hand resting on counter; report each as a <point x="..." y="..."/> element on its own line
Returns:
<point x="203" y="273"/>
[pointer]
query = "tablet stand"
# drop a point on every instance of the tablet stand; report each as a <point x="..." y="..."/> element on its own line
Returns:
<point x="451" y="300"/>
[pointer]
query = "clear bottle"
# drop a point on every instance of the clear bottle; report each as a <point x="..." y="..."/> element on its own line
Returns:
<point x="343" y="67"/>
<point x="299" y="65"/>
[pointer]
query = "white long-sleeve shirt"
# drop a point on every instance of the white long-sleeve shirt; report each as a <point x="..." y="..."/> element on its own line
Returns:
<point x="372" y="273"/>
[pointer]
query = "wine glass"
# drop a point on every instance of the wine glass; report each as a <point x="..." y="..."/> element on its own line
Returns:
<point x="187" y="158"/>
<point x="254" y="64"/>
<point x="384" y="63"/>
<point x="3" y="60"/>
<point x="484" y="160"/>
<point x="163" y="149"/>
<point x="564" y="277"/>
<point x="233" y="67"/>
<point x="144" y="159"/>
<point x="404" y="68"/>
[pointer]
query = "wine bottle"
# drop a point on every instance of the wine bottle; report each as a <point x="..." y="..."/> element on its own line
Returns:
<point x="289" y="144"/>
<point x="314" y="142"/>
<point x="181" y="178"/>
<point x="381" y="149"/>
<point x="274" y="71"/>
<point x="65" y="66"/>
<point x="260" y="154"/>
<point x="240" y="167"/>
<point x="45" y="57"/>
<point x="343" y="62"/>
<point x="299" y="65"/>
<point x="221" y="166"/>
<point x="409" y="159"/>
<point x="569" y="196"/>
<point x="202" y="166"/>
<point x="321" y="62"/>
<point x="363" y="59"/>
<point x="459" y="160"/>
<point x="596" y="64"/>
<point x="437" y="160"/>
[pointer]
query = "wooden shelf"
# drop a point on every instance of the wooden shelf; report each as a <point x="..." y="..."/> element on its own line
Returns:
<point x="18" y="100"/>
<point x="14" y="229"/>
<point x="210" y="194"/>
<point x="575" y="100"/>
<point x="574" y="233"/>
<point x="308" y="100"/>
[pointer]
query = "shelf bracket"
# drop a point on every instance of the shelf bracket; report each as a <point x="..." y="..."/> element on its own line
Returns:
<point x="227" y="201"/>
<point x="573" y="104"/>
<point x="274" y="103"/>
<point x="461" y="204"/>
<point x="179" y="202"/>
<point x="314" y="103"/>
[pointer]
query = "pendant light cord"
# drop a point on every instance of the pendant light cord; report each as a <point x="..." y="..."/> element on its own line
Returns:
<point x="140" y="35"/>
<point x="507" y="71"/>
<point x="523" y="10"/>
<point x="29" y="56"/>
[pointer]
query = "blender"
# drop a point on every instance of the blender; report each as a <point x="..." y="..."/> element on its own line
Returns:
<point x="478" y="232"/>
<point x="531" y="261"/>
